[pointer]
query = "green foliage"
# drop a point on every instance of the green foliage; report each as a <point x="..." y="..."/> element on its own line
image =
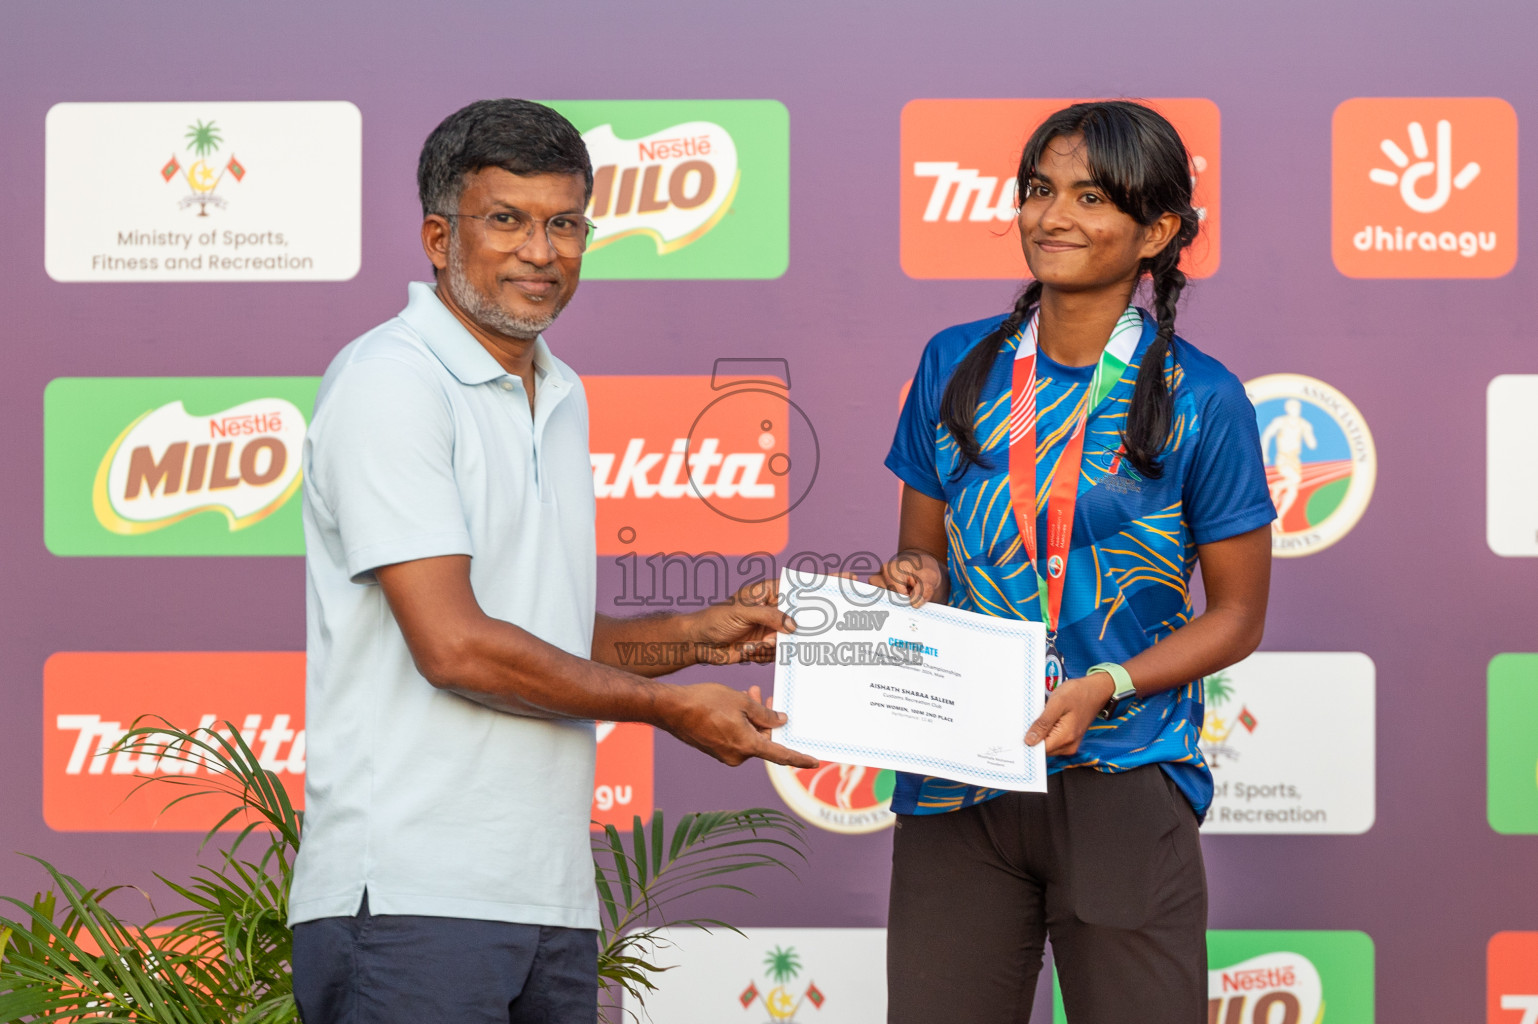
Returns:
<point x="635" y="884"/>
<point x="225" y="958"/>
<point x="1218" y="689"/>
<point x="782" y="965"/>
<point x="203" y="138"/>
<point x="222" y="960"/>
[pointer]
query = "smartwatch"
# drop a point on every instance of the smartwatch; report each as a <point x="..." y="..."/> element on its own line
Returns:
<point x="1124" y="688"/>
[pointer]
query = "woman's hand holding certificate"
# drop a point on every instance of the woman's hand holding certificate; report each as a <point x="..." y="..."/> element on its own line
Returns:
<point x="868" y="679"/>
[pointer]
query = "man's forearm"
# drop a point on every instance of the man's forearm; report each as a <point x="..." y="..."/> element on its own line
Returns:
<point x="507" y="668"/>
<point x="649" y="645"/>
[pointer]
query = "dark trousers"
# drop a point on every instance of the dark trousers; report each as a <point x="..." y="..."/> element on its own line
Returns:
<point x="401" y="969"/>
<point x="1108" y="866"/>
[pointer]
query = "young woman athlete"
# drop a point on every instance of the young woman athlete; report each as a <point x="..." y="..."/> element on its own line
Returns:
<point x="1071" y="463"/>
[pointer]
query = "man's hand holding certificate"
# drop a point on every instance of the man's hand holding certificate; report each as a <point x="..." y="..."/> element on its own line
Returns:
<point x="867" y="679"/>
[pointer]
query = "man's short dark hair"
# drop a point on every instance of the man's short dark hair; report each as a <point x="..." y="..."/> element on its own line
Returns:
<point x="519" y="136"/>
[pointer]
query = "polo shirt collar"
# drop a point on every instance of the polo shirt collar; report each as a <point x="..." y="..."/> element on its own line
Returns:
<point x="455" y="347"/>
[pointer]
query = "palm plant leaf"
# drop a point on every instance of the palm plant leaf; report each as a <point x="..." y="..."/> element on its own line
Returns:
<point x="635" y="885"/>
<point x="225" y="958"/>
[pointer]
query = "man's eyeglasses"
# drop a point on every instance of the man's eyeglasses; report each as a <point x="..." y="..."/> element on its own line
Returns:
<point x="510" y="230"/>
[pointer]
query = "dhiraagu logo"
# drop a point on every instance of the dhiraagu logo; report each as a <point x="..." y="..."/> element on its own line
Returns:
<point x="174" y="465"/>
<point x="1302" y="977"/>
<point x="686" y="189"/>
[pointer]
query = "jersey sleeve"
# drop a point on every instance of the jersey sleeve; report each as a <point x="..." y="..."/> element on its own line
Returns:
<point x="382" y="460"/>
<point x="1225" y="491"/>
<point x="912" y="456"/>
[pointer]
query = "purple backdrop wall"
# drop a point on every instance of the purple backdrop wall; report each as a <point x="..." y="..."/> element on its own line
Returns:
<point x="1414" y="585"/>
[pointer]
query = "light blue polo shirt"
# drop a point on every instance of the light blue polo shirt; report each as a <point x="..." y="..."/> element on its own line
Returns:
<point x="422" y="445"/>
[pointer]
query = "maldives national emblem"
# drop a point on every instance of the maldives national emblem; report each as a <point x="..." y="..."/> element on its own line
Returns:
<point x="1217" y="725"/>
<point x="200" y="173"/>
<point x="847" y="798"/>
<point x="782" y="965"/>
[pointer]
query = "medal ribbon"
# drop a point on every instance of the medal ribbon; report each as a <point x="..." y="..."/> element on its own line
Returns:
<point x="1063" y="488"/>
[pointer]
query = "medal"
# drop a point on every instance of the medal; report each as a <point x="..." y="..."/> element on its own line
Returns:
<point x="1053" y="662"/>
<point x="1063" y="486"/>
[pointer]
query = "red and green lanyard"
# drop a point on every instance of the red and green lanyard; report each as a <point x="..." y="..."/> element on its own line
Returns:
<point x="1063" y="487"/>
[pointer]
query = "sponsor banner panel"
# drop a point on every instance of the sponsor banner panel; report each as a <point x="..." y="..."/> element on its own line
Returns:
<point x="1511" y="490"/>
<point x="1297" y="977"/>
<point x="686" y="189"/>
<point x="769" y="976"/>
<point x="1321" y="464"/>
<point x="698" y="464"/>
<point x="90" y="699"/>
<point x="1512" y="963"/>
<point x="1512" y="739"/>
<point x="959" y="161"/>
<point x="622" y="775"/>
<point x="1424" y="187"/>
<point x="174" y="465"/>
<point x="219" y="191"/>
<point x="1290" y="737"/>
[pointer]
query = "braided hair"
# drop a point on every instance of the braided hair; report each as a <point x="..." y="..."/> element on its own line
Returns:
<point x="1137" y="158"/>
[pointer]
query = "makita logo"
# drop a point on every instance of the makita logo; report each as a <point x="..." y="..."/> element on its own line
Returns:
<point x="673" y="185"/>
<point x="958" y="195"/>
<point x="168" y="465"/>
<point x="989" y="199"/>
<point x="710" y="472"/>
<point x="279" y="748"/>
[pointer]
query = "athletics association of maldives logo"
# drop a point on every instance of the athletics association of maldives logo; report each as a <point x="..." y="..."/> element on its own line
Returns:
<point x="203" y="172"/>
<point x="168" y="465"/>
<point x="782" y="965"/>
<point x="1321" y="464"/>
<point x="847" y="798"/>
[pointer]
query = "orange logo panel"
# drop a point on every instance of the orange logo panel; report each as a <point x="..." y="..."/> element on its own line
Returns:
<point x="91" y="699"/>
<point x="1512" y="961"/>
<point x="1425" y="187"/>
<point x="959" y="159"/>
<point x="622" y="779"/>
<point x="696" y="463"/>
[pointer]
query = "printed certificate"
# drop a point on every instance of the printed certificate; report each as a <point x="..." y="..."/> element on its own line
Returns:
<point x="867" y="679"/>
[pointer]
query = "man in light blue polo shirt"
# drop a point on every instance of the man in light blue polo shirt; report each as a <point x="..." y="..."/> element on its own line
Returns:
<point x="456" y="660"/>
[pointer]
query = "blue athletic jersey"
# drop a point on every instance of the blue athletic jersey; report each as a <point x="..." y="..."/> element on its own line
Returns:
<point x="1134" y="538"/>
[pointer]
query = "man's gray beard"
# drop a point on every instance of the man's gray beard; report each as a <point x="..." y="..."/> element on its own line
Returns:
<point x="483" y="309"/>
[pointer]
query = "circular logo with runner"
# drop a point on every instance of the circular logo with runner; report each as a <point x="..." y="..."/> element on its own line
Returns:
<point x="844" y="798"/>
<point x="1320" y="461"/>
<point x="1055" y="566"/>
<point x="1053" y="666"/>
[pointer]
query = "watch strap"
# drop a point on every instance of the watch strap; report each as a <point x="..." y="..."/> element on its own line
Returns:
<point x="1124" y="688"/>
<point x="1119" y="675"/>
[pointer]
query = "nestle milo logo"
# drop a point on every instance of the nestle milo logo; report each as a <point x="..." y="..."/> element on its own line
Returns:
<point x="168" y="465"/>
<point x="175" y="465"/>
<point x="686" y="189"/>
<point x="673" y="185"/>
